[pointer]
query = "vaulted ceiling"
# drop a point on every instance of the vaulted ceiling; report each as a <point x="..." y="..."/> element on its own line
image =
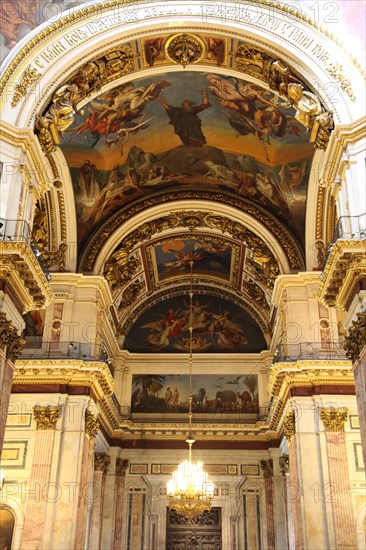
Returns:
<point x="174" y="157"/>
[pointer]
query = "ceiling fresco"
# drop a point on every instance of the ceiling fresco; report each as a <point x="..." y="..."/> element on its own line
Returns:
<point x="219" y="326"/>
<point x="187" y="130"/>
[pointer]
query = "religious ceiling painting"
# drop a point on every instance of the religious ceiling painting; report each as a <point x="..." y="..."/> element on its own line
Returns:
<point x="211" y="394"/>
<point x="212" y="257"/>
<point x="219" y="326"/>
<point x="187" y="130"/>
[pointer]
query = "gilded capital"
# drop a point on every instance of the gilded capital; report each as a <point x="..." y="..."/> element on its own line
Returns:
<point x="101" y="462"/>
<point x="121" y="467"/>
<point x="267" y="467"/>
<point x="91" y="424"/>
<point x="289" y="425"/>
<point x="10" y="340"/>
<point x="334" y="419"/>
<point x="46" y="417"/>
<point x="355" y="341"/>
<point x="284" y="464"/>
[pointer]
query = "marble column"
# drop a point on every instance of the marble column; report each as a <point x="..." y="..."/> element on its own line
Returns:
<point x="293" y="484"/>
<point x="121" y="468"/>
<point x="355" y="346"/>
<point x="267" y="470"/>
<point x="11" y="345"/>
<point x="284" y="467"/>
<point x="84" y="500"/>
<point x="340" y="487"/>
<point x="36" y="507"/>
<point x="101" y="463"/>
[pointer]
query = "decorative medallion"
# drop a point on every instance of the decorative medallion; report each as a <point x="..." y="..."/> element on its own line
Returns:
<point x="185" y="49"/>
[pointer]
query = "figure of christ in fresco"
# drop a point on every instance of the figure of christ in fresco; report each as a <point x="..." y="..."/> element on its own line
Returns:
<point x="187" y="124"/>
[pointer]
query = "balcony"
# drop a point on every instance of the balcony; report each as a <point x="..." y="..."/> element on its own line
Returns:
<point x="344" y="273"/>
<point x="35" y="348"/>
<point x="319" y="351"/>
<point x="21" y="265"/>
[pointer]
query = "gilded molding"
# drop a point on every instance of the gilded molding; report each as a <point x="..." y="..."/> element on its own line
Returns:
<point x="27" y="79"/>
<point x="95" y="10"/>
<point x="307" y="373"/>
<point x="184" y="49"/>
<point x="24" y="276"/>
<point x="267" y="468"/>
<point x="345" y="267"/>
<point x="101" y="462"/>
<point x="10" y="340"/>
<point x="220" y="223"/>
<point x="94" y="374"/>
<point x="121" y="467"/>
<point x="355" y="341"/>
<point x="120" y="268"/>
<point x="334" y="419"/>
<point x="337" y="72"/>
<point x="46" y="417"/>
<point x="91" y="424"/>
<point x="284" y="464"/>
<point x="289" y="425"/>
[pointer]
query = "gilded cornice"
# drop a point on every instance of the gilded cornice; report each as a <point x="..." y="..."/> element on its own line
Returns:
<point x="345" y="267"/>
<point x="46" y="417"/>
<point x="334" y="419"/>
<point x="307" y="373"/>
<point x="96" y="10"/>
<point x="90" y="374"/>
<point x="20" y="268"/>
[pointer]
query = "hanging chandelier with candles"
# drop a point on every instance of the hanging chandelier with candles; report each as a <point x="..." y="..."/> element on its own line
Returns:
<point x="189" y="491"/>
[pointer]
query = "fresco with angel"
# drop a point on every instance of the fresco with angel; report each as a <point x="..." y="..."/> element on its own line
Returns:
<point x="187" y="129"/>
<point x="219" y="326"/>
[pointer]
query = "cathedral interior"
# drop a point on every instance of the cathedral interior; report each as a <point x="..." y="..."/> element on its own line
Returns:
<point x="182" y="260"/>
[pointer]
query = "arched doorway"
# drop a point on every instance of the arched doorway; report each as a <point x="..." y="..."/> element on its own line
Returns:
<point x="7" y="523"/>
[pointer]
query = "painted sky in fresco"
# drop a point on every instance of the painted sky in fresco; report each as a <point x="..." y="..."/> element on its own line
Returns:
<point x="219" y="326"/>
<point x="137" y="140"/>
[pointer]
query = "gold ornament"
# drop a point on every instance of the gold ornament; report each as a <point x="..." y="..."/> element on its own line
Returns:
<point x="121" y="467"/>
<point x="289" y="425"/>
<point x="184" y="49"/>
<point x="334" y="419"/>
<point x="355" y="341"/>
<point x="29" y="77"/>
<point x="101" y="462"/>
<point x="91" y="424"/>
<point x="267" y="467"/>
<point x="46" y="417"/>
<point x="284" y="464"/>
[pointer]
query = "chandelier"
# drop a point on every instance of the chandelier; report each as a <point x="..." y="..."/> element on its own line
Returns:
<point x="189" y="491"/>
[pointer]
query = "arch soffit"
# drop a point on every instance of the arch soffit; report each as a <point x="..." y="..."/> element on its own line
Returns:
<point x="99" y="250"/>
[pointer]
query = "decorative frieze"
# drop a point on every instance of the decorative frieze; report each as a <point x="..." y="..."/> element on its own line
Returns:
<point x="289" y="425"/>
<point x="121" y="467"/>
<point x="101" y="462"/>
<point x="334" y="419"/>
<point x="284" y="464"/>
<point x="91" y="424"/>
<point x="356" y="339"/>
<point x="267" y="467"/>
<point x="46" y="417"/>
